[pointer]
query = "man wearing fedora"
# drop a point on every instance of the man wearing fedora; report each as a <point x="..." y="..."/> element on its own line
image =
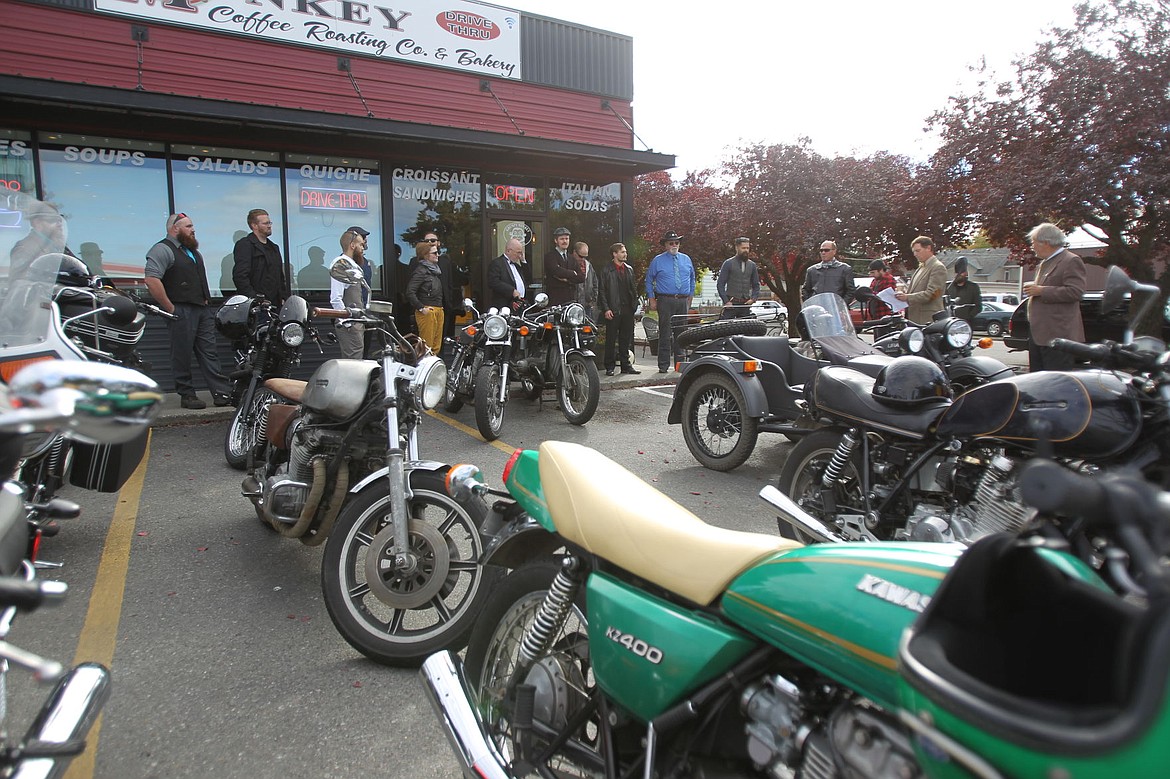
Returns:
<point x="670" y="285"/>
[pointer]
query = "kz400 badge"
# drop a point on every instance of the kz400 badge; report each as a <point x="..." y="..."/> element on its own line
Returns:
<point x="635" y="645"/>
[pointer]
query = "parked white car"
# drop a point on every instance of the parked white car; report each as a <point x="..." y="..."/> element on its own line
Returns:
<point x="1003" y="298"/>
<point x="769" y="311"/>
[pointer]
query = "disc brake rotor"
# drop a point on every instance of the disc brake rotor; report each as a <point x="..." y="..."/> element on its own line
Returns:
<point x="425" y="574"/>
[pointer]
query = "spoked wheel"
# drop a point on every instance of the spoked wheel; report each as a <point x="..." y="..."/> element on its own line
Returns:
<point x="244" y="433"/>
<point x="579" y="389"/>
<point x="398" y="614"/>
<point x="489" y="409"/>
<point x="563" y="676"/>
<point x="716" y="428"/>
<point x="801" y="480"/>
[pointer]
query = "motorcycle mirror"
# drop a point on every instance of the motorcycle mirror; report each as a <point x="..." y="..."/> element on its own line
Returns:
<point x="347" y="274"/>
<point x="1117" y="285"/>
<point x="468" y="303"/>
<point x="106" y="404"/>
<point x="541" y="300"/>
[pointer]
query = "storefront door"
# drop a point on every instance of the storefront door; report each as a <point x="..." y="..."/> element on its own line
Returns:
<point x="530" y="232"/>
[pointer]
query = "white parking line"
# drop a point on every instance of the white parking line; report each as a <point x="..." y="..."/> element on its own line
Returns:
<point x="658" y="390"/>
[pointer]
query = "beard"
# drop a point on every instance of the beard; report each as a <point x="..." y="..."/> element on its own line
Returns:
<point x="188" y="241"/>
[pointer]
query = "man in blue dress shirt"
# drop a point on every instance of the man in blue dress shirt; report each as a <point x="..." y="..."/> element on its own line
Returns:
<point x="670" y="285"/>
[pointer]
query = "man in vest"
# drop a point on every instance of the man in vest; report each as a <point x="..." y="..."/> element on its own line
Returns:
<point x="739" y="281"/>
<point x="351" y="339"/>
<point x="177" y="278"/>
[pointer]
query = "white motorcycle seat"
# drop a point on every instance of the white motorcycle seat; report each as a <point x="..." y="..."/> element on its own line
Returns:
<point x="603" y="508"/>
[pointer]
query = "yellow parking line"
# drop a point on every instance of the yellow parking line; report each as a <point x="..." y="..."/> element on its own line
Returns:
<point x="99" y="634"/>
<point x="471" y="431"/>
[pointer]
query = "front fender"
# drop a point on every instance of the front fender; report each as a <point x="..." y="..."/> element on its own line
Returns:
<point x="382" y="473"/>
<point x="755" y="400"/>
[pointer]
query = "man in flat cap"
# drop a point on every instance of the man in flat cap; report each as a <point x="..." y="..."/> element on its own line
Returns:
<point x="563" y="270"/>
<point x="670" y="285"/>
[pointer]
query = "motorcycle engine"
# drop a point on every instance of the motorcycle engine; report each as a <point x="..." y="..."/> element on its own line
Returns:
<point x="987" y="494"/>
<point x="856" y="740"/>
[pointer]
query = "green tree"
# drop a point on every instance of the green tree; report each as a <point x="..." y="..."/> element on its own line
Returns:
<point x="1080" y="135"/>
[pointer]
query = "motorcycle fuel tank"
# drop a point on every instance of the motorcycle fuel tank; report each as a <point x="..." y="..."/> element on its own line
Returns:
<point x="338" y="387"/>
<point x="842" y="608"/>
<point x="1086" y="414"/>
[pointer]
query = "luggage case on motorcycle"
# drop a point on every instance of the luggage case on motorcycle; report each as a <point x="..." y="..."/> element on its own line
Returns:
<point x="106" y="467"/>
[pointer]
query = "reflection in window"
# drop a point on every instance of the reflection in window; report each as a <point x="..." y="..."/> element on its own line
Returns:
<point x="326" y="196"/>
<point x="113" y="193"/>
<point x="17" y="173"/>
<point x="447" y="202"/>
<point x="217" y="188"/>
<point x="592" y="212"/>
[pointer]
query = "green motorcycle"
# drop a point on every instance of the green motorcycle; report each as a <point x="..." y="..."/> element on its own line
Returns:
<point x="632" y="639"/>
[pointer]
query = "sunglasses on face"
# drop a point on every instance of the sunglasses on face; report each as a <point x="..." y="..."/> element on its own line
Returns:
<point x="825" y="251"/>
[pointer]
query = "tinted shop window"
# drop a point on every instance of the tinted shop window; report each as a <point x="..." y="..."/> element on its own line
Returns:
<point x="447" y="202"/>
<point x="592" y="212"/>
<point x="326" y="196"/>
<point x="217" y="188"/>
<point x="113" y="194"/>
<point x="17" y="172"/>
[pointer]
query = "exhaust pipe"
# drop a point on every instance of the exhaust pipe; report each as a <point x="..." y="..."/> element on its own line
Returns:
<point x="446" y="688"/>
<point x="58" y="733"/>
<point x="800" y="519"/>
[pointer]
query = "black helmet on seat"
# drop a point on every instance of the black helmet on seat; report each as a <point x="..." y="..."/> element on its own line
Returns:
<point x="909" y="380"/>
<point x="72" y="272"/>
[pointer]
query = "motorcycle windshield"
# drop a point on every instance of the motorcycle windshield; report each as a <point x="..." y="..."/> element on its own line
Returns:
<point x="32" y="242"/>
<point x="827" y="315"/>
<point x="295" y="309"/>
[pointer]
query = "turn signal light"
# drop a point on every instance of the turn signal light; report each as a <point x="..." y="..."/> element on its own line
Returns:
<point x="523" y="330"/>
<point x="751" y="366"/>
<point x="986" y="343"/>
<point x="586" y="329"/>
<point x="548" y="325"/>
<point x="471" y="330"/>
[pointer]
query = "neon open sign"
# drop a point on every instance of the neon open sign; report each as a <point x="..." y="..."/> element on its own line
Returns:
<point x="505" y="193"/>
<point x="334" y="199"/>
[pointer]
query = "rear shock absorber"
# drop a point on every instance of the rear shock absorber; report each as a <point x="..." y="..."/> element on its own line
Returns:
<point x="552" y="612"/>
<point x="840" y="459"/>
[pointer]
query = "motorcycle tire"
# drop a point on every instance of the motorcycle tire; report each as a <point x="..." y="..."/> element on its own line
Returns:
<point x="491" y="661"/>
<point x="721" y="329"/>
<point x="241" y="436"/>
<point x="579" y="389"/>
<point x="400" y="620"/>
<point x="800" y="479"/>
<point x="489" y="410"/>
<point x="716" y="427"/>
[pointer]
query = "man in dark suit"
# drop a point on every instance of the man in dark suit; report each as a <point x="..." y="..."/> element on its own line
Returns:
<point x="508" y="278"/>
<point x="617" y="298"/>
<point x="1054" y="299"/>
<point x="563" y="271"/>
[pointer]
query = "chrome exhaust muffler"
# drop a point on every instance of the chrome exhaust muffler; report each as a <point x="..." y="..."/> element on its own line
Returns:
<point x="446" y="688"/>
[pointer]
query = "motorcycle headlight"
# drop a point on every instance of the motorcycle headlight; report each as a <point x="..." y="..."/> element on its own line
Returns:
<point x="495" y="327"/>
<point x="575" y="314"/>
<point x="958" y="334"/>
<point x="429" y="382"/>
<point x="911" y="340"/>
<point x="293" y="334"/>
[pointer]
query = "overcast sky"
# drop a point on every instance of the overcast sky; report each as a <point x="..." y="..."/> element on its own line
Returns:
<point x="854" y="76"/>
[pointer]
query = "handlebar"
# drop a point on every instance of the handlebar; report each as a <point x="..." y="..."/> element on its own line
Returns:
<point x="1108" y="353"/>
<point x="329" y="313"/>
<point x="29" y="595"/>
<point x="150" y="308"/>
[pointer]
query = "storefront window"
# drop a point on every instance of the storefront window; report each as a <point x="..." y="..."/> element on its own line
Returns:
<point x="592" y="212"/>
<point x="217" y="188"/>
<point x="112" y="192"/>
<point x="447" y="202"/>
<point x="17" y="172"/>
<point x="327" y="195"/>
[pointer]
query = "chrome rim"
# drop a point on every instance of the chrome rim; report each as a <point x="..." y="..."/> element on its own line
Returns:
<point x="717" y="421"/>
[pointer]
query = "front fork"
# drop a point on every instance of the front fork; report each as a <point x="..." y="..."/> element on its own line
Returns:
<point x="396" y="459"/>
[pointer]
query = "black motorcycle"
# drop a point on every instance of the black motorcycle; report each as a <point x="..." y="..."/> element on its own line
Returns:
<point x="738" y="382"/>
<point x="554" y="351"/>
<point x="343" y="467"/>
<point x="267" y="345"/>
<point x="898" y="459"/>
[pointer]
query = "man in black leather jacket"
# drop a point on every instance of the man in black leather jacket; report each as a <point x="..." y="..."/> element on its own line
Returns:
<point x="259" y="269"/>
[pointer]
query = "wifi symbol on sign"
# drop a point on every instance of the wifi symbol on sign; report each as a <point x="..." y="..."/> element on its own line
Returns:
<point x="510" y="21"/>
